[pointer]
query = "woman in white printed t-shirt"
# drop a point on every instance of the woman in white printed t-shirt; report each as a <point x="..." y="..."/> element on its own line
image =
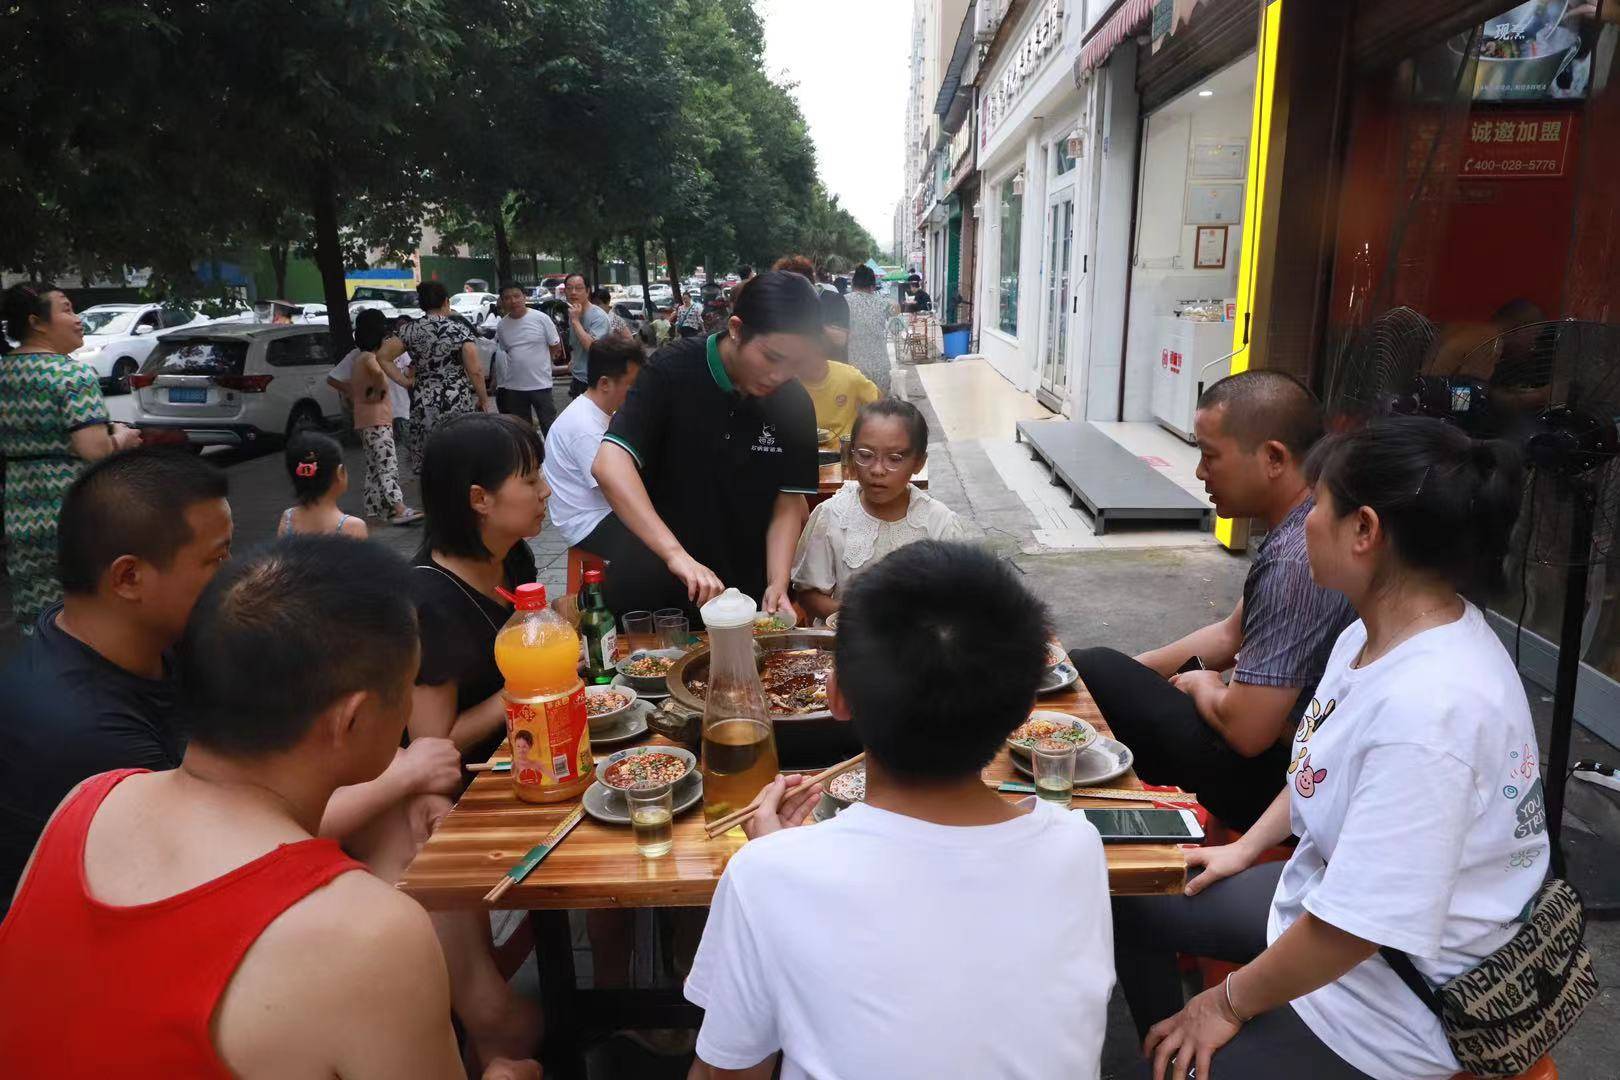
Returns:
<point x="1415" y="792"/>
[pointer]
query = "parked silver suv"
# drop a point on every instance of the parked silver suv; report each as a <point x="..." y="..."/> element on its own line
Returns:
<point x="233" y="384"/>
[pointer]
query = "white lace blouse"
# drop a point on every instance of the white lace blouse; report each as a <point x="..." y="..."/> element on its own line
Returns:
<point x="842" y="537"/>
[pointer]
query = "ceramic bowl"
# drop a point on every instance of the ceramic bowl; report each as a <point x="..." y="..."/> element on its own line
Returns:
<point x="654" y="683"/>
<point x="684" y="756"/>
<point x="612" y="717"/>
<point x="1084" y="735"/>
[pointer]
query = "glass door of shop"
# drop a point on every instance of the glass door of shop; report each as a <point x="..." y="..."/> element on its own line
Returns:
<point x="1059" y="302"/>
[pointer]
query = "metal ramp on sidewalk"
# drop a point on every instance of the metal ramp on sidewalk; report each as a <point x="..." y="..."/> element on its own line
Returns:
<point x="1112" y="483"/>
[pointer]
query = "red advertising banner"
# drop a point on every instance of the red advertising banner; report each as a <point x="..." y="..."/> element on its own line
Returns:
<point x="1516" y="145"/>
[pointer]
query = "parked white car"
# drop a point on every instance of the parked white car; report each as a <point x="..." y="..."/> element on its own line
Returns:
<point x="235" y="384"/>
<point x="119" y="337"/>
<point x="471" y="306"/>
<point x="660" y="292"/>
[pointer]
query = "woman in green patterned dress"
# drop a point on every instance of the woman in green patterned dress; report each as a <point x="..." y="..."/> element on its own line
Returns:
<point x="52" y="421"/>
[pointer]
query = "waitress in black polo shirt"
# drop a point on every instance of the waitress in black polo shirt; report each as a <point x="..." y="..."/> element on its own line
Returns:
<point x="708" y="462"/>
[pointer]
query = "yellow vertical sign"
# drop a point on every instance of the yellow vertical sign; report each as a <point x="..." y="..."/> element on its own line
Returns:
<point x="1227" y="531"/>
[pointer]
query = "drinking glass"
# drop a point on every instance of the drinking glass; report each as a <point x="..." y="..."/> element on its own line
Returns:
<point x="1053" y="764"/>
<point x="674" y="632"/>
<point x="639" y="624"/>
<point x="652" y="819"/>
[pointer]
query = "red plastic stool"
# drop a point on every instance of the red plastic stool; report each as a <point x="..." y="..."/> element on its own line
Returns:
<point x="579" y="562"/>
<point x="1213" y="972"/>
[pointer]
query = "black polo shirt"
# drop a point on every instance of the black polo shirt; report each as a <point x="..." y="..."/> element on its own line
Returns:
<point x="66" y="714"/>
<point x="714" y="459"/>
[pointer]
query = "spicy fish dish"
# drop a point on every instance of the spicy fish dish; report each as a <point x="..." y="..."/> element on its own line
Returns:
<point x="794" y="680"/>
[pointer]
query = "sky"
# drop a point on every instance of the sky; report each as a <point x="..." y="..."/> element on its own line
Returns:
<point x="851" y="60"/>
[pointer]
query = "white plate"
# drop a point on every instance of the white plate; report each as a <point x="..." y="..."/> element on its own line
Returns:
<point x="630" y="724"/>
<point x="1105" y="759"/>
<point x="645" y="695"/>
<point x="1057" y="678"/>
<point x="607" y="805"/>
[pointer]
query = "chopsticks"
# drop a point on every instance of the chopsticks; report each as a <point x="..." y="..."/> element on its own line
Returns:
<point x="1182" y="798"/>
<point x="536" y="853"/>
<point x="737" y="817"/>
<point x="504" y="765"/>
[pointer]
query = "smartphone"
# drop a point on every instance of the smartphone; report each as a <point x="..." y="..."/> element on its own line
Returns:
<point x="1193" y="664"/>
<point x="1161" y="825"/>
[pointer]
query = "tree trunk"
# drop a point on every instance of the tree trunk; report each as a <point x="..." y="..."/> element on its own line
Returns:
<point x="329" y="259"/>
<point x="596" y="263"/>
<point x="503" y="252"/>
<point x="278" y="266"/>
<point x="646" y="296"/>
<point x="673" y="264"/>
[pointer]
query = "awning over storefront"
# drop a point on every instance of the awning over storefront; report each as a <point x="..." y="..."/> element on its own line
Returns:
<point x="951" y="84"/>
<point x="1129" y="17"/>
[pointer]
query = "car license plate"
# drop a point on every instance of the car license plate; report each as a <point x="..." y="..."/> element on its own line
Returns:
<point x="187" y="395"/>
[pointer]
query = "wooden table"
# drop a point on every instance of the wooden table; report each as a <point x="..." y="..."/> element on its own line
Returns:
<point x="597" y="866"/>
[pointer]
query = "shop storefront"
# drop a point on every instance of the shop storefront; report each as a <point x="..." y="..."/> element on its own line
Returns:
<point x="1479" y="207"/>
<point x="1163" y="328"/>
<point x="1028" y="224"/>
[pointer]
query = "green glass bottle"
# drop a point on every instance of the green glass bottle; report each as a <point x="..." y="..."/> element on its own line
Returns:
<point x="597" y="631"/>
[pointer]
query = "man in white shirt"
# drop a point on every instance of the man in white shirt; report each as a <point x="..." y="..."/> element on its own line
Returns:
<point x="529" y="341"/>
<point x="578" y="508"/>
<point x="934" y="929"/>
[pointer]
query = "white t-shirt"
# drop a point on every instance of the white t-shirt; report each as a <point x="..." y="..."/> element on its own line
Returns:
<point x="527" y="342"/>
<point x="878" y="945"/>
<point x="577" y="503"/>
<point x="1416" y="796"/>
<point x="398" y="396"/>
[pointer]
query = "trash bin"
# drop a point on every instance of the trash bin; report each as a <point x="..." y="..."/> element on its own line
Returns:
<point x="956" y="339"/>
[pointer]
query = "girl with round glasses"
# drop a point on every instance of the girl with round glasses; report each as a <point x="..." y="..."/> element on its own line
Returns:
<point x="877" y="512"/>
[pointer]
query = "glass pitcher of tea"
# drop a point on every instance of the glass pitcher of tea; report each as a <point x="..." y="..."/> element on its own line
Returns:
<point x="739" y="744"/>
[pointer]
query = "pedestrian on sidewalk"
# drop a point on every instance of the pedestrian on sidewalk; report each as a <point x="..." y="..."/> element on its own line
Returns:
<point x="869" y="315"/>
<point x="52" y="421"/>
<point x="530" y="341"/>
<point x="373" y="389"/>
<point x="448" y="371"/>
<point x="586" y="323"/>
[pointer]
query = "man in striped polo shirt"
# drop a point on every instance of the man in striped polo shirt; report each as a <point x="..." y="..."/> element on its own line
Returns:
<point x="1186" y="725"/>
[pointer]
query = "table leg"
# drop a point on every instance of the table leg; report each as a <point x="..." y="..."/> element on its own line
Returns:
<point x="554" y="954"/>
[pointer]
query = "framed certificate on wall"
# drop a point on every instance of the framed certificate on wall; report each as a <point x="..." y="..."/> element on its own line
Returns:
<point x="1210" y="252"/>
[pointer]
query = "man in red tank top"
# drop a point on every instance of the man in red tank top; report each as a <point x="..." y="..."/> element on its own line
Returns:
<point x="193" y="913"/>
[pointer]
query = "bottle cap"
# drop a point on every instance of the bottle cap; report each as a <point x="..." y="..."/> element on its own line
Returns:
<point x="731" y="608"/>
<point x="531" y="597"/>
<point x="593" y="577"/>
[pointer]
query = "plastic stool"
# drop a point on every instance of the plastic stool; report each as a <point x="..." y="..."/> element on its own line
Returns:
<point x="579" y="562"/>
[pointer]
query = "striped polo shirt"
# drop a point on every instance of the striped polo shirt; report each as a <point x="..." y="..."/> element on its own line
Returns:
<point x="1289" y="621"/>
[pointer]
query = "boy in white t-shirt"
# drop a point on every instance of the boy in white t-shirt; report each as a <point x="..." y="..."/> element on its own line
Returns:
<point x="578" y="508"/>
<point x="935" y="929"/>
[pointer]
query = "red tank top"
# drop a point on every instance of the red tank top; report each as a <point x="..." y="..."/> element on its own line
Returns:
<point x="95" y="990"/>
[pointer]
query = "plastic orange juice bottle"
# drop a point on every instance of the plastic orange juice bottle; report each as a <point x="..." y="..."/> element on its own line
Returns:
<point x="546" y="724"/>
